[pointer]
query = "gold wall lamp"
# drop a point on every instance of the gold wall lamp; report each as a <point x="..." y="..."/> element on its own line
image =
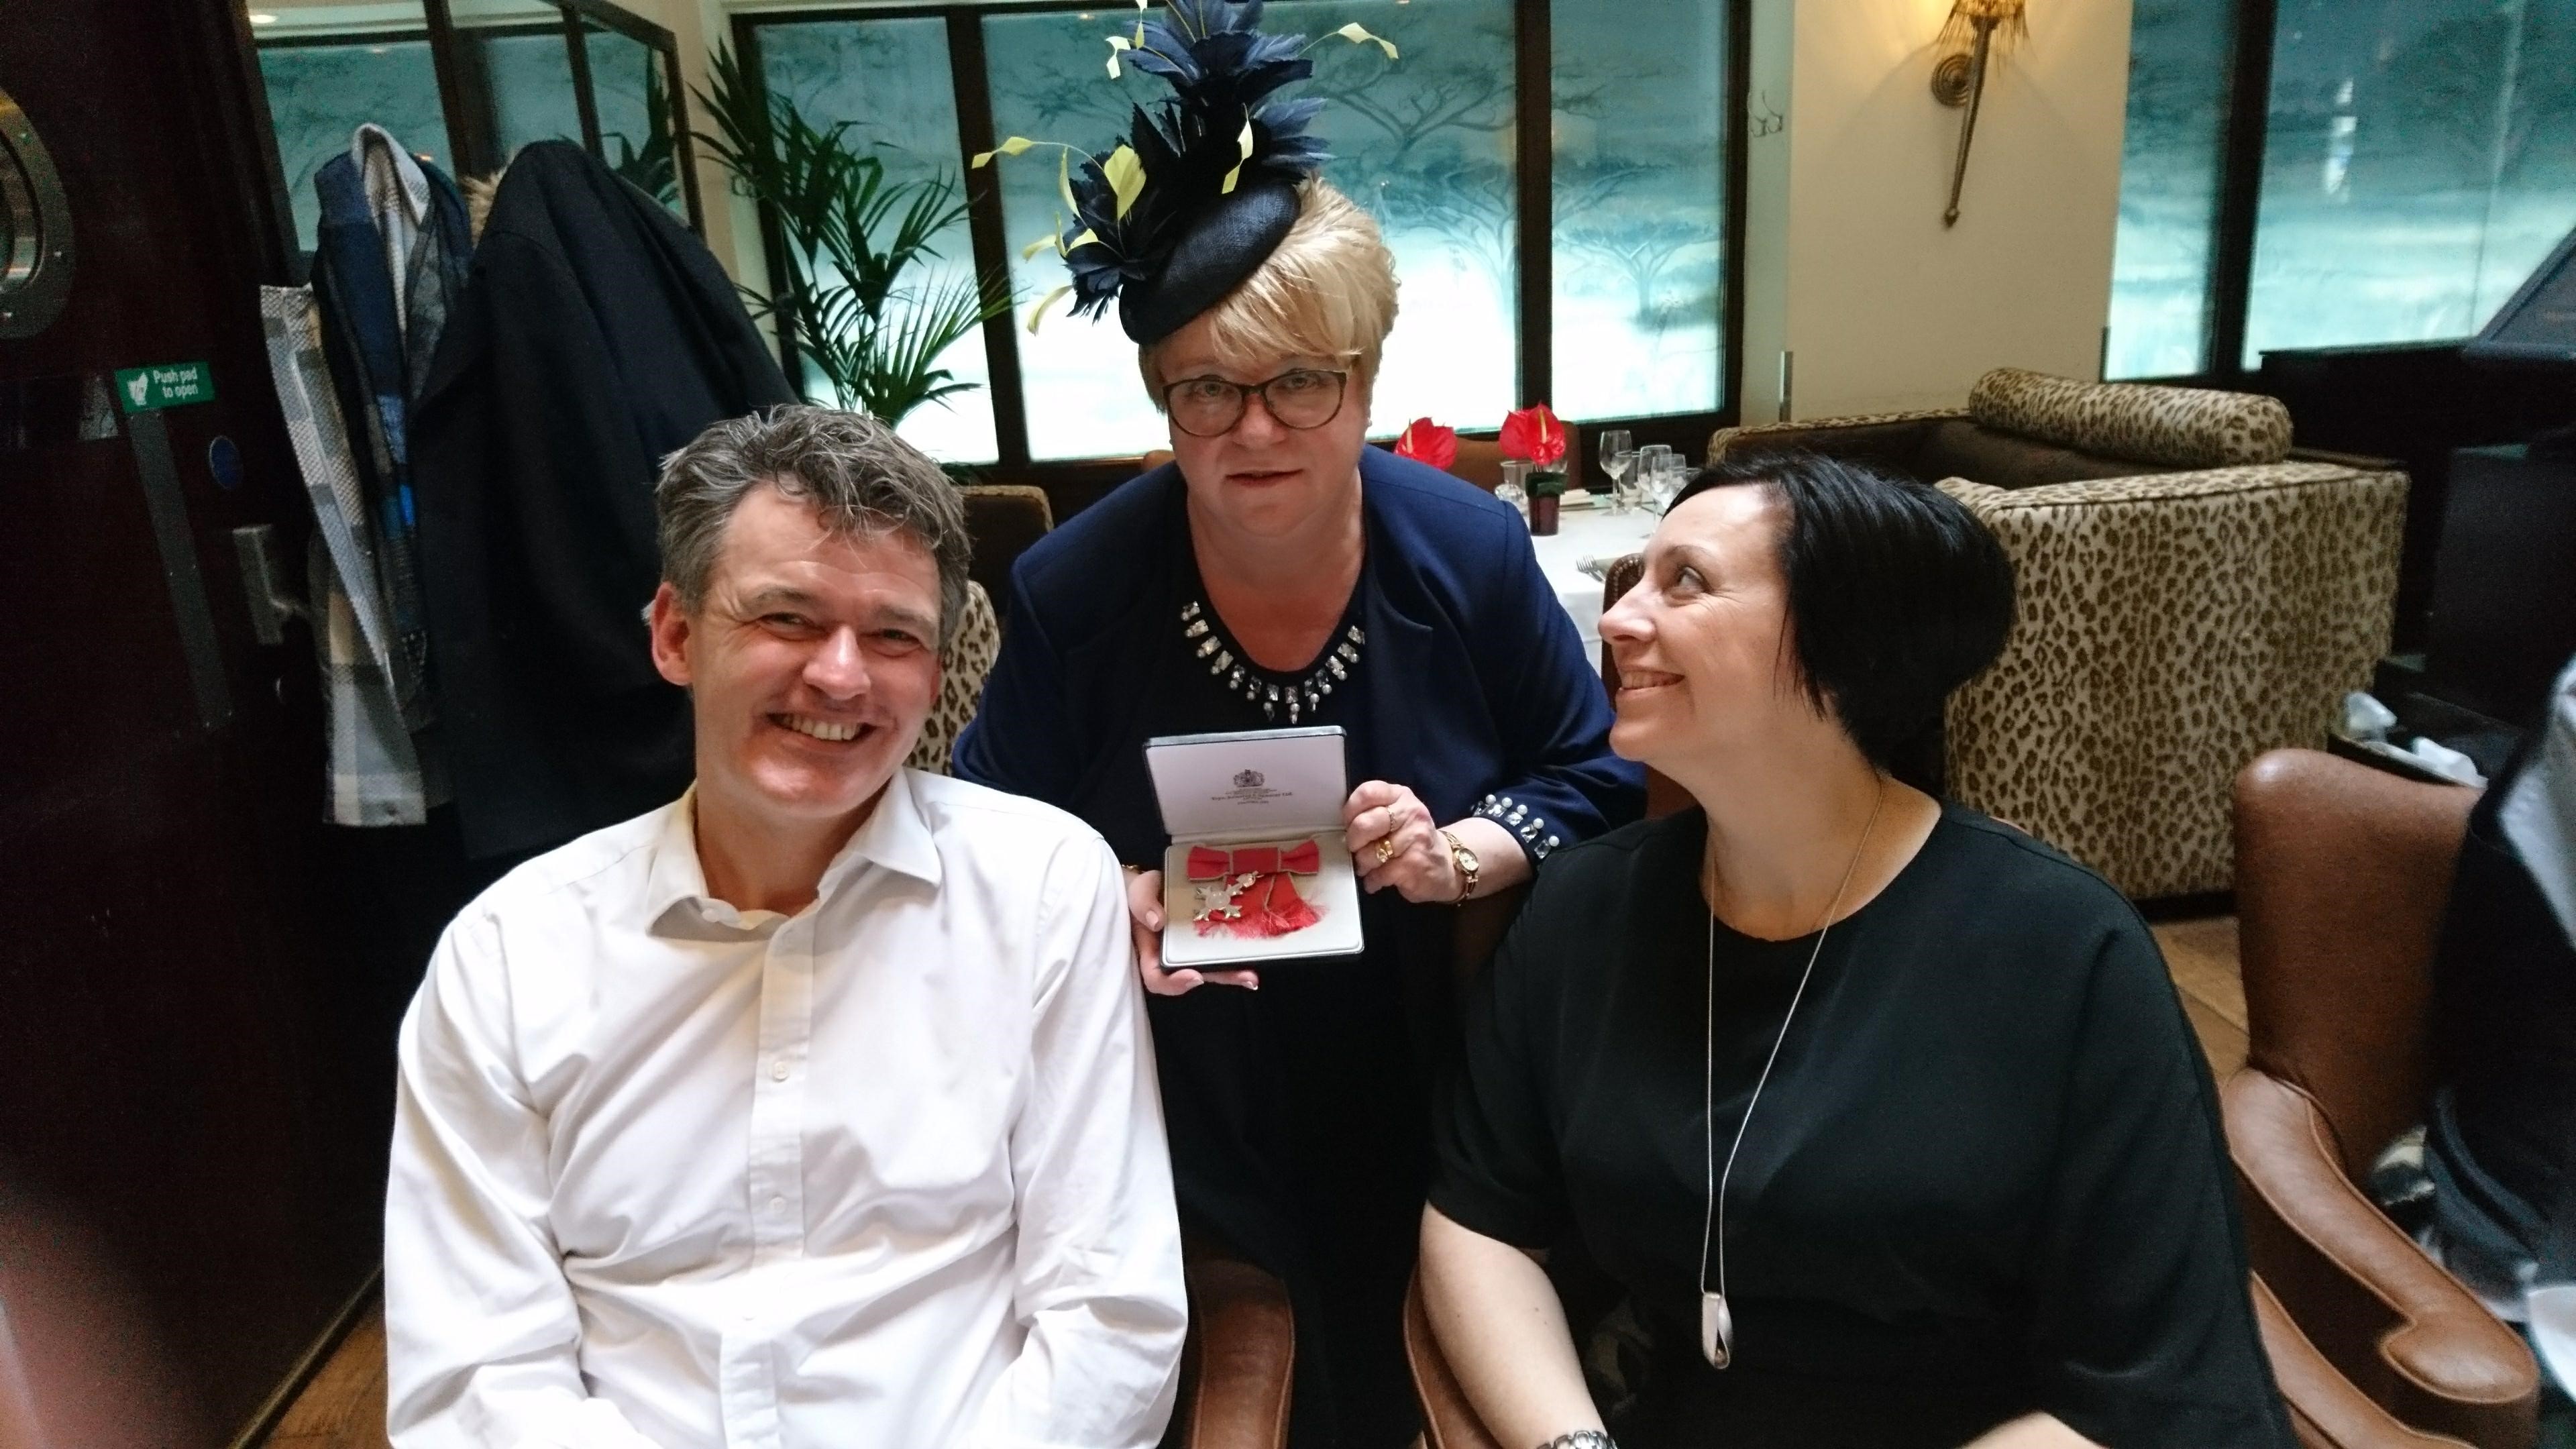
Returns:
<point x="1959" y="79"/>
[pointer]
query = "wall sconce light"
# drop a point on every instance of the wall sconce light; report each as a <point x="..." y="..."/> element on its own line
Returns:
<point x="1959" y="79"/>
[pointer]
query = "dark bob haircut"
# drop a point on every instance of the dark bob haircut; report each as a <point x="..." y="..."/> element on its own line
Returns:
<point x="1897" y="594"/>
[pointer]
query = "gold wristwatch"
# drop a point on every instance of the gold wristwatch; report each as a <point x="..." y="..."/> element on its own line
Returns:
<point x="1465" y="860"/>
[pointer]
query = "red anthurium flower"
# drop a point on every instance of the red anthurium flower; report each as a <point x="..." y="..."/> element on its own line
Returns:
<point x="1427" y="442"/>
<point x="1535" y="434"/>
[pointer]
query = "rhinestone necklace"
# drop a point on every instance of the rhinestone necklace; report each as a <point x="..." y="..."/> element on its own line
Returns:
<point x="1298" y="698"/>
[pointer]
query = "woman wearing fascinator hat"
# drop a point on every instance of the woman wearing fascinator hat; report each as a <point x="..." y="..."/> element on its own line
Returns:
<point x="1280" y="573"/>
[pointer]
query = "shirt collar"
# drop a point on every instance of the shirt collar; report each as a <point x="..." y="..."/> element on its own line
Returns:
<point x="894" y="836"/>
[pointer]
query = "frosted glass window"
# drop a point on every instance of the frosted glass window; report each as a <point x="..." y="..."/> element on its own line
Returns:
<point x="2419" y="163"/>
<point x="890" y="80"/>
<point x="519" y="66"/>
<point x="1425" y="143"/>
<point x="320" y="91"/>
<point x="2179" y="55"/>
<point x="634" y="107"/>
<point x="1640" y="207"/>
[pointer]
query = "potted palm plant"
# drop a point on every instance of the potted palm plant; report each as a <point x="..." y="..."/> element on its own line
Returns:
<point x="848" y="291"/>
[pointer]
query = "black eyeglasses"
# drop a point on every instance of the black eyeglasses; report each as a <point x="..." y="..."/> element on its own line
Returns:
<point x="1300" y="398"/>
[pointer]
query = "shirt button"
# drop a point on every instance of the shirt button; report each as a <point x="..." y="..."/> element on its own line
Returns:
<point x="778" y="1204"/>
<point x="778" y="1070"/>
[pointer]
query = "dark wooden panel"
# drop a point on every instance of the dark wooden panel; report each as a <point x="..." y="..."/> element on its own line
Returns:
<point x="194" y="1047"/>
<point x="2417" y="403"/>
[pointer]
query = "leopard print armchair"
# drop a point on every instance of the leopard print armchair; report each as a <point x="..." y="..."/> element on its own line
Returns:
<point x="967" y="660"/>
<point x="2191" y="596"/>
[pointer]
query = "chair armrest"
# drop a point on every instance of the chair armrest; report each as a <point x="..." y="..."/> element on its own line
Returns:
<point x="2325" y="1409"/>
<point x="1448" y="1420"/>
<point x="1240" y="1361"/>
<point x="2401" y="1330"/>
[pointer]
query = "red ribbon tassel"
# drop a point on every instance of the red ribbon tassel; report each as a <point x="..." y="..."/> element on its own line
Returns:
<point x="1268" y="902"/>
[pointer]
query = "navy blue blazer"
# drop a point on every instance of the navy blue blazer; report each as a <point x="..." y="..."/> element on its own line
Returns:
<point x="1297" y="1115"/>
<point x="1479" y="696"/>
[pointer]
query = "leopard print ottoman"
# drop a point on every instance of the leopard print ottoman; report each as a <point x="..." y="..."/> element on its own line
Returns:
<point x="2170" y="628"/>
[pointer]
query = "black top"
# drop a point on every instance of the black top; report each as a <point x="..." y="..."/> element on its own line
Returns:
<point x="1299" y="1114"/>
<point x="1987" y="1177"/>
<point x="2501" y="1144"/>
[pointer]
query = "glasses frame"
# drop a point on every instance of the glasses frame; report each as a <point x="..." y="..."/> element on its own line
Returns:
<point x="1243" y="394"/>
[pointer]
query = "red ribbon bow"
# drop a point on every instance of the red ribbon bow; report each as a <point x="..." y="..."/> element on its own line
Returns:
<point x="1209" y="863"/>
<point x="1267" y="904"/>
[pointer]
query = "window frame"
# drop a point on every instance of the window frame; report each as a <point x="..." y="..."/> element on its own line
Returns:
<point x="473" y="148"/>
<point x="1076" y="482"/>
<point x="2236" y="219"/>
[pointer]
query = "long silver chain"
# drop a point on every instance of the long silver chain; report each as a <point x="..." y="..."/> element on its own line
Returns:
<point x="1712" y="1222"/>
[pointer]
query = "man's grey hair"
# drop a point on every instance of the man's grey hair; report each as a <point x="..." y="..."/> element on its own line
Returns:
<point x="848" y="465"/>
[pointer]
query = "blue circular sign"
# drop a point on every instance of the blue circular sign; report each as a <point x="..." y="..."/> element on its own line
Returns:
<point x="223" y="459"/>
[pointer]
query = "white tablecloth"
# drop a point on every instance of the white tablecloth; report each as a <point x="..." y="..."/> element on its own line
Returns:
<point x="1583" y="533"/>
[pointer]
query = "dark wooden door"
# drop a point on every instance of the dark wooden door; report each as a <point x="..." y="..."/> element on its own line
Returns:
<point x="195" y="1039"/>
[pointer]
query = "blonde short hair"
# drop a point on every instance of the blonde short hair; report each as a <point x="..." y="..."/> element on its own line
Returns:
<point x="1328" y="291"/>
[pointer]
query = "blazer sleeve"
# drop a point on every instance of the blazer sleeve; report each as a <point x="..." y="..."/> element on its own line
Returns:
<point x="1559" y="782"/>
<point x="1022" y="738"/>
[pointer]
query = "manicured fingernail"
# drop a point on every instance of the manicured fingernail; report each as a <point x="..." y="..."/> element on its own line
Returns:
<point x="1153" y="920"/>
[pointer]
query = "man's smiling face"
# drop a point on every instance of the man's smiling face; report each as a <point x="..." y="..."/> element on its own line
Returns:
<point x="811" y="663"/>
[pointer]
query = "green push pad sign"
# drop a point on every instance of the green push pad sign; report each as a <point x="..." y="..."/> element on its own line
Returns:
<point x="164" y="385"/>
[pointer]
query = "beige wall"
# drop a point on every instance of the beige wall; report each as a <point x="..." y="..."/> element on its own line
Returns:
<point x="1848" y="265"/>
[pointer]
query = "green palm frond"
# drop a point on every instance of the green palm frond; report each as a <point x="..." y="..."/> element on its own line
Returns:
<point x="851" y="240"/>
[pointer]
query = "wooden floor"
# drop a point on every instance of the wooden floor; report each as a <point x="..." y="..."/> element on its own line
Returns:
<point x="2202" y="956"/>
<point x="344" y="1406"/>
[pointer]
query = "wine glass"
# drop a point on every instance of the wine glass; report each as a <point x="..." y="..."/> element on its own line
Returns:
<point x="1668" y="484"/>
<point x="1612" y="447"/>
<point x="1622" y="468"/>
<point x="1514" y="489"/>
<point x="1651" y="462"/>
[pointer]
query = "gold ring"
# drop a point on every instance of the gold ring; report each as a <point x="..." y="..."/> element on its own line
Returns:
<point x="1385" y="848"/>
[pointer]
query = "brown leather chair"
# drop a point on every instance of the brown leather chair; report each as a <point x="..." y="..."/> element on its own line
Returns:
<point x="2342" y="874"/>
<point x="1239" y="1360"/>
<point x="1003" y="520"/>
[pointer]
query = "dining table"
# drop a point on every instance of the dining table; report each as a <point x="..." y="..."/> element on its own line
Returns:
<point x="1588" y="534"/>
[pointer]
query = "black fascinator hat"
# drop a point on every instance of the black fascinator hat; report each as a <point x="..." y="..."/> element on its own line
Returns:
<point x="1205" y="186"/>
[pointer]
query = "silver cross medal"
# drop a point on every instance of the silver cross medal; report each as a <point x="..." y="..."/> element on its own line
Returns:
<point x="1216" y="902"/>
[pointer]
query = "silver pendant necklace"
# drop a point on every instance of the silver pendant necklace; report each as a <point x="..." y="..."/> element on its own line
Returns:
<point x="1716" y="1324"/>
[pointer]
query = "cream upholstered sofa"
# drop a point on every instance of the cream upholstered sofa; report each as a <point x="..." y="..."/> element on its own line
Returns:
<point x="2192" y="594"/>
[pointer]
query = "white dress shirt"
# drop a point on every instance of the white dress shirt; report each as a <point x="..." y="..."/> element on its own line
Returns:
<point x="885" y="1174"/>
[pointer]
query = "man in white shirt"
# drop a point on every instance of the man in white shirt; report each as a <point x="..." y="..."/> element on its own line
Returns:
<point x="816" y="1108"/>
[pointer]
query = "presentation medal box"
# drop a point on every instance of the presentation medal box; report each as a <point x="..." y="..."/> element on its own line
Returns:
<point x="1257" y="870"/>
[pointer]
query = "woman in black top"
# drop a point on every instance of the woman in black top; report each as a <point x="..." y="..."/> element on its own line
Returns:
<point x="1949" y="1171"/>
